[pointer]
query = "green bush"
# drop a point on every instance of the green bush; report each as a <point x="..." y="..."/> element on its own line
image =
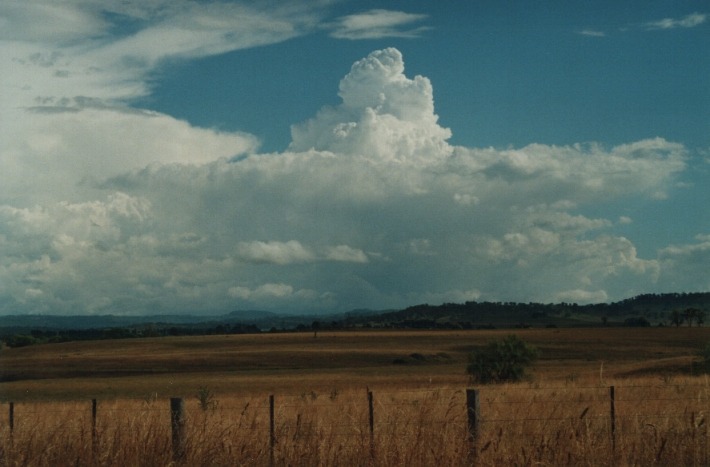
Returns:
<point x="206" y="399"/>
<point x="21" y="340"/>
<point x="499" y="361"/>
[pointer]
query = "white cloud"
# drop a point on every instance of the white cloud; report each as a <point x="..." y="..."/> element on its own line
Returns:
<point x="384" y="116"/>
<point x="346" y="254"/>
<point x="263" y="291"/>
<point x="56" y="154"/>
<point x="582" y="296"/>
<point x="377" y="24"/>
<point x="39" y="21"/>
<point x="274" y="252"/>
<point x="109" y="209"/>
<point x="420" y="246"/>
<point x="581" y="173"/>
<point x="690" y="21"/>
<point x="77" y="53"/>
<point x="292" y="252"/>
<point x="69" y="76"/>
<point x="448" y="296"/>
<point x="274" y="293"/>
<point x="625" y="220"/>
<point x="685" y="266"/>
<point x="592" y="33"/>
<point x="194" y="30"/>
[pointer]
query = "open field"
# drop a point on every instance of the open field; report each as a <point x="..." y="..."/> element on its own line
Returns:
<point x="293" y="362"/>
<point x="655" y="422"/>
<point x="561" y="416"/>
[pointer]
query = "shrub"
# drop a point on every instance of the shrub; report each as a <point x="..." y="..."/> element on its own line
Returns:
<point x="21" y="340"/>
<point x="637" y="322"/>
<point x="206" y="399"/>
<point x="503" y="360"/>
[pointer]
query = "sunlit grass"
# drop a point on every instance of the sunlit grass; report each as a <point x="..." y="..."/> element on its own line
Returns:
<point x="562" y="416"/>
<point x="657" y="421"/>
<point x="278" y="363"/>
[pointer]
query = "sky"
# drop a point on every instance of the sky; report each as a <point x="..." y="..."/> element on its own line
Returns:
<point x="172" y="156"/>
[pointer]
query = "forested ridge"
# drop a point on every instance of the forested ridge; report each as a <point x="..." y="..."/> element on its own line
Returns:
<point x="665" y="309"/>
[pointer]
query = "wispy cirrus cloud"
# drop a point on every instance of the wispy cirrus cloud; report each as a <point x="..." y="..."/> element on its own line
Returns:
<point x="376" y="24"/>
<point x="690" y="21"/>
<point x="67" y="86"/>
<point x="591" y="33"/>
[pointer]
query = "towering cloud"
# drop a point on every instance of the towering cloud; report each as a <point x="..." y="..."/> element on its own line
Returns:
<point x="384" y="115"/>
<point x="370" y="207"/>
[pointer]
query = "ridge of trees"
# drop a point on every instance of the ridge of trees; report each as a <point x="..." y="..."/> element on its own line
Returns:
<point x="669" y="309"/>
<point x="641" y="310"/>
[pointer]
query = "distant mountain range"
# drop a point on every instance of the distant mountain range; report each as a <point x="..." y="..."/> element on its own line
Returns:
<point x="654" y="309"/>
<point x="110" y="321"/>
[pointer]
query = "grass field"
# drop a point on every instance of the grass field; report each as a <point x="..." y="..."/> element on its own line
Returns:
<point x="256" y="364"/>
<point x="558" y="417"/>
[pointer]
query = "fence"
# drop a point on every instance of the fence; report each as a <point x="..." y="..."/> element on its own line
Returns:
<point x="488" y="426"/>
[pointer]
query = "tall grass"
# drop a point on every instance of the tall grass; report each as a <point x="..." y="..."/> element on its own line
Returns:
<point x="657" y="421"/>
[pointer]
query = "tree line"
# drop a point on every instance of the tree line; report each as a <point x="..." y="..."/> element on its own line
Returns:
<point x="673" y="309"/>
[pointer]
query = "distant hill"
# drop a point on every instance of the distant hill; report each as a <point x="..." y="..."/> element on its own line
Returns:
<point x="653" y="308"/>
<point x="108" y="321"/>
<point x="647" y="309"/>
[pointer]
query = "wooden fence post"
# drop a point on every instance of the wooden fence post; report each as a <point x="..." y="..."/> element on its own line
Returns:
<point x="11" y="416"/>
<point x="11" y="420"/>
<point x="612" y="415"/>
<point x="371" y="413"/>
<point x="272" y="430"/>
<point x="473" y="406"/>
<point x="177" y="422"/>
<point x="94" y="433"/>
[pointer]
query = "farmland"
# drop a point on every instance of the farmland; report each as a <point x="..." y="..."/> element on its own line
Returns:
<point x="248" y="364"/>
<point x="559" y="416"/>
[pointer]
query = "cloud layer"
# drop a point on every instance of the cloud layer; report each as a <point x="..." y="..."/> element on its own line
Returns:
<point x="106" y="208"/>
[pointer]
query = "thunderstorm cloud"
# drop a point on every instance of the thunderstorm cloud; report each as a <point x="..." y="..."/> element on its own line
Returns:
<point x="106" y="208"/>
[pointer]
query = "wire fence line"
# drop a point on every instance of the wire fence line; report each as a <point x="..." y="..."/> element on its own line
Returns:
<point x="489" y="397"/>
<point x="482" y="415"/>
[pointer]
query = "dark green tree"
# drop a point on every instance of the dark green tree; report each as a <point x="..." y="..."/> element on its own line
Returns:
<point x="677" y="318"/>
<point x="502" y="360"/>
<point x="315" y="326"/>
<point x="690" y="314"/>
<point x="700" y="317"/>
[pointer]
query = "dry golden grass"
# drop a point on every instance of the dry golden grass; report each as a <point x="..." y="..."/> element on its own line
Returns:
<point x="560" y="417"/>
<point x="657" y="422"/>
<point x="255" y="364"/>
<point x="310" y="429"/>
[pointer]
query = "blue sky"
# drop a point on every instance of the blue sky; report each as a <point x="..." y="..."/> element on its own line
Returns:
<point x="503" y="76"/>
<point x="201" y="157"/>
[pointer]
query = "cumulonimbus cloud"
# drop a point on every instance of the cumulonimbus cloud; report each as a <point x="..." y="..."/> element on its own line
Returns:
<point x="371" y="206"/>
<point x="383" y="115"/>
